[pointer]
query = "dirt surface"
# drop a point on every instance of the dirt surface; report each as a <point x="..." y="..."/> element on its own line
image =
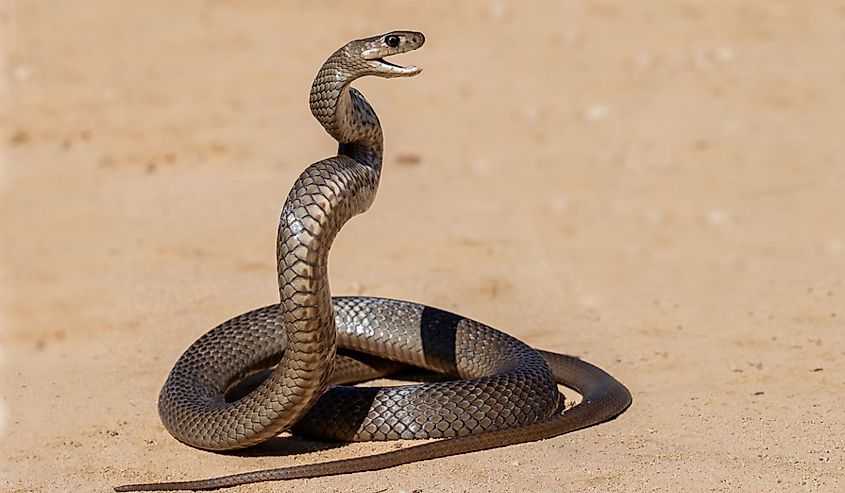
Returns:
<point x="658" y="187"/>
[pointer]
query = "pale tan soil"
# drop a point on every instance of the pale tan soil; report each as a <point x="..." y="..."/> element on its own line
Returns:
<point x="656" y="186"/>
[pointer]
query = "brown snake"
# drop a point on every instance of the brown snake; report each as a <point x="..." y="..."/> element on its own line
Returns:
<point x="502" y="392"/>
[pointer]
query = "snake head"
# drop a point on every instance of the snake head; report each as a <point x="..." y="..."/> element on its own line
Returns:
<point x="374" y="50"/>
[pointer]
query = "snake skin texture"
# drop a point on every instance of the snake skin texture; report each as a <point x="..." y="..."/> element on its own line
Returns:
<point x="498" y="390"/>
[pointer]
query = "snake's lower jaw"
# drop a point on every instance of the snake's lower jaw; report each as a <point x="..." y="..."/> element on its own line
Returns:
<point x="411" y="71"/>
<point x="387" y="69"/>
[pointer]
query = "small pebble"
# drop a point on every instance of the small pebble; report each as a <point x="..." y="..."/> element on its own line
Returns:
<point x="21" y="73"/>
<point x="654" y="216"/>
<point x="19" y="137"/>
<point x="717" y="217"/>
<point x="834" y="246"/>
<point x="589" y="301"/>
<point x="643" y="61"/>
<point x="408" y="159"/>
<point x="573" y="37"/>
<point x="497" y="11"/>
<point x="530" y="113"/>
<point x="723" y="54"/>
<point x="596" y="112"/>
<point x="559" y="205"/>
<point x="481" y="166"/>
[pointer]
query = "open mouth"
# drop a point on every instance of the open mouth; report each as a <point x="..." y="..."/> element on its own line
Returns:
<point x="385" y="62"/>
<point x="397" y="69"/>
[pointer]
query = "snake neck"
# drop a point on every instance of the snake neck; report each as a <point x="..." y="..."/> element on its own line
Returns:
<point x="324" y="197"/>
<point x="344" y="112"/>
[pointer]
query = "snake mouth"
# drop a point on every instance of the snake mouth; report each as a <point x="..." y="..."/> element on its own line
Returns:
<point x="376" y="49"/>
<point x="393" y="68"/>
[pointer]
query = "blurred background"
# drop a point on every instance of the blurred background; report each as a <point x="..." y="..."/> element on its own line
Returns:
<point x="657" y="187"/>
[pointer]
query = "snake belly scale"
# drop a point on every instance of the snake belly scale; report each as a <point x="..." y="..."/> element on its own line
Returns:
<point x="500" y="390"/>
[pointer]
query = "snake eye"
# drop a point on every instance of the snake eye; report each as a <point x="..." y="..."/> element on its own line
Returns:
<point x="392" y="41"/>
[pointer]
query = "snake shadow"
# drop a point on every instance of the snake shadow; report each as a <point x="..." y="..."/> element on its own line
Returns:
<point x="285" y="445"/>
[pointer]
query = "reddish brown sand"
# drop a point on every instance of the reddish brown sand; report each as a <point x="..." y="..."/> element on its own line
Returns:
<point x="658" y="187"/>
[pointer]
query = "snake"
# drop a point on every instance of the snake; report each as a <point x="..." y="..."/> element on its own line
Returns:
<point x="302" y="353"/>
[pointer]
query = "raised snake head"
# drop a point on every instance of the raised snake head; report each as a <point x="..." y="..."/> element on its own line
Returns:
<point x="372" y="51"/>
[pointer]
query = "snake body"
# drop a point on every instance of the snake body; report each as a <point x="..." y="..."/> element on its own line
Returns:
<point x="501" y="391"/>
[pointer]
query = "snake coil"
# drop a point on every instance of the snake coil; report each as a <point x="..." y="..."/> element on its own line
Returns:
<point x="501" y="392"/>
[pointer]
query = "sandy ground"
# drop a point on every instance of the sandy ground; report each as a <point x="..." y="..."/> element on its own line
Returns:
<point x="658" y="187"/>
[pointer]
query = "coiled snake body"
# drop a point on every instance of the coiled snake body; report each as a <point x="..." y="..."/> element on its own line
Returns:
<point x="503" y="391"/>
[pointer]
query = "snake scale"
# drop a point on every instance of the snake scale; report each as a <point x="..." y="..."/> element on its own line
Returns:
<point x="499" y="391"/>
